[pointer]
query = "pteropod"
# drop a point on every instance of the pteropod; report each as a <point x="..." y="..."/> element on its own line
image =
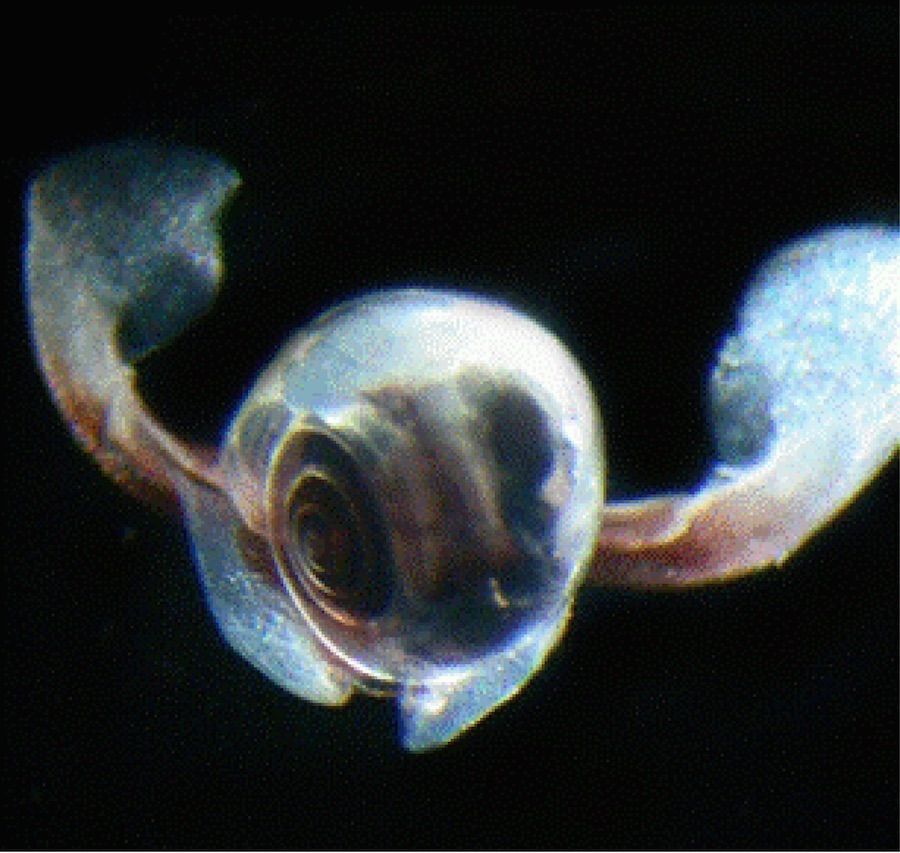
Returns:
<point x="412" y="493"/>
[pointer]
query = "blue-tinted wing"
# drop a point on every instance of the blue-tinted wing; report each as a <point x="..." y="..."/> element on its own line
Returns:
<point x="121" y="254"/>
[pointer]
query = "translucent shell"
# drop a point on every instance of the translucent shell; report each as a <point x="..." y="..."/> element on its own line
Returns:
<point x="427" y="467"/>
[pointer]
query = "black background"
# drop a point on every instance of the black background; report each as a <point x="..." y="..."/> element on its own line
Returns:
<point x="617" y="174"/>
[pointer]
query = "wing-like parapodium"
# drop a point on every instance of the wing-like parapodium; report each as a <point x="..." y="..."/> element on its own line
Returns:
<point x="805" y="400"/>
<point x="121" y="254"/>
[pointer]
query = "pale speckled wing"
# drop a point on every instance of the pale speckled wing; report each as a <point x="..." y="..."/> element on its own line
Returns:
<point x="806" y="409"/>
